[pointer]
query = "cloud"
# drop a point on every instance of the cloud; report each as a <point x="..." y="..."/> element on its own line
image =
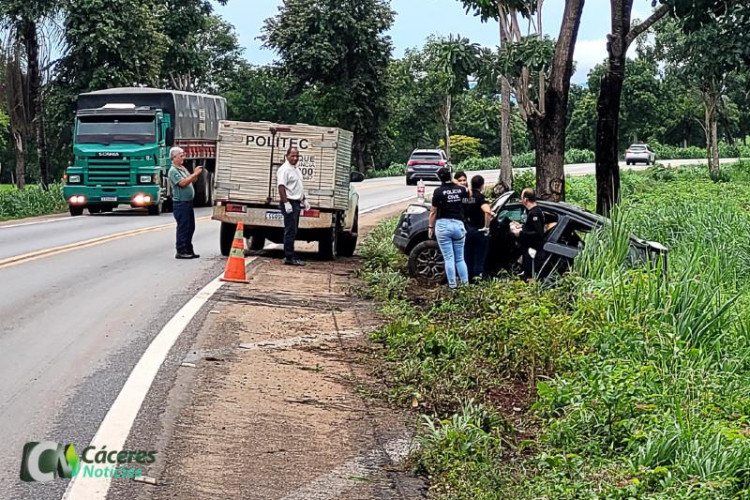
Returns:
<point x="588" y="54"/>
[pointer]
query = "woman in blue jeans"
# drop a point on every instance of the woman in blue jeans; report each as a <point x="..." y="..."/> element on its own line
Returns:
<point x="447" y="226"/>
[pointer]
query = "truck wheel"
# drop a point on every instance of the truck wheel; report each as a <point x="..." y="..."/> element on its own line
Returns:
<point x="94" y="209"/>
<point x="326" y="245"/>
<point x="226" y="237"/>
<point x="257" y="242"/>
<point x="156" y="209"/>
<point x="74" y="211"/>
<point x="200" y="191"/>
<point x="347" y="241"/>
<point x="168" y="205"/>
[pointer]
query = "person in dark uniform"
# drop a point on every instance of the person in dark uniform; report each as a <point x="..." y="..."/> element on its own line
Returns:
<point x="531" y="235"/>
<point x="447" y="226"/>
<point x="478" y="216"/>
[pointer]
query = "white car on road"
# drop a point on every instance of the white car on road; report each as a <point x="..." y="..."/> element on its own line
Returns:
<point x="639" y="153"/>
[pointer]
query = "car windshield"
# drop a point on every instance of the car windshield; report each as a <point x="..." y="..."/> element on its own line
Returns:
<point x="637" y="147"/>
<point x="116" y="129"/>
<point x="426" y="156"/>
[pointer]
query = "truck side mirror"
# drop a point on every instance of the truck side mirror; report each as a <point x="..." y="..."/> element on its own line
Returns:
<point x="356" y="177"/>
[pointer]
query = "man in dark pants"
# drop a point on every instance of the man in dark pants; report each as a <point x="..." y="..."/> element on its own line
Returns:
<point x="182" y="200"/>
<point x="531" y="235"/>
<point x="292" y="201"/>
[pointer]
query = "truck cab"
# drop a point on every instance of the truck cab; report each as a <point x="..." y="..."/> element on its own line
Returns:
<point x="121" y="143"/>
<point x="120" y="159"/>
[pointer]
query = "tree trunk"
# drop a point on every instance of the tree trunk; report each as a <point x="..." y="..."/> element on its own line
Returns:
<point x="506" y="147"/>
<point x="31" y="41"/>
<point x="505" y="178"/>
<point x="610" y="99"/>
<point x="19" y="144"/>
<point x="712" y="141"/>
<point x="608" y="111"/>
<point x="550" y="126"/>
<point x="549" y="133"/>
<point x="447" y="124"/>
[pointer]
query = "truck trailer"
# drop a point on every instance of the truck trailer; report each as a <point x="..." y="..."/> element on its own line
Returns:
<point x="248" y="157"/>
<point x="121" y="144"/>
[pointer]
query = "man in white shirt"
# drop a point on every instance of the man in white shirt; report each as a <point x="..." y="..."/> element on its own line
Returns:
<point x="292" y="200"/>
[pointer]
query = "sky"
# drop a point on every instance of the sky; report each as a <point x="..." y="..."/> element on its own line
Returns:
<point x="417" y="19"/>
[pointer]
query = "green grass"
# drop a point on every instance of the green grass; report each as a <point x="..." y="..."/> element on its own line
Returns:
<point x="31" y="201"/>
<point x="637" y="385"/>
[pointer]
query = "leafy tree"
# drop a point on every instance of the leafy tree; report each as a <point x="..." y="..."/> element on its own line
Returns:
<point x="451" y="62"/>
<point x="504" y="12"/>
<point x="258" y="93"/>
<point x="539" y="70"/>
<point x="341" y="49"/>
<point x="23" y="21"/>
<point x="413" y="103"/>
<point x="113" y="43"/>
<point x="706" y="58"/>
<point x="203" y="48"/>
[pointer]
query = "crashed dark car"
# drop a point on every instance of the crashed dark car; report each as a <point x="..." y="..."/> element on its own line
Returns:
<point x="565" y="228"/>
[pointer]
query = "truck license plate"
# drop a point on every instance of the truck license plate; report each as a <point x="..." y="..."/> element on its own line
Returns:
<point x="109" y="198"/>
<point x="274" y="215"/>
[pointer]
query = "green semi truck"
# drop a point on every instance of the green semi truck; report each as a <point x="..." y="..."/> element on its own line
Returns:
<point x="121" y="145"/>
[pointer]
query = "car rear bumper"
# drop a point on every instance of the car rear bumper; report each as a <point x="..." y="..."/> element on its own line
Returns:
<point x="425" y="175"/>
<point x="638" y="157"/>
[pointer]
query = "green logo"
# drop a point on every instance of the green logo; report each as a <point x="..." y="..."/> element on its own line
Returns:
<point x="46" y="461"/>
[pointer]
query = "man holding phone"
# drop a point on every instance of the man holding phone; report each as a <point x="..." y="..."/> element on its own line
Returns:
<point x="181" y="181"/>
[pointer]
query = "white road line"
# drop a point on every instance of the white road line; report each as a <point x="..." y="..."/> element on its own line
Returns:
<point x="116" y="426"/>
<point x="344" y="477"/>
<point x="46" y="221"/>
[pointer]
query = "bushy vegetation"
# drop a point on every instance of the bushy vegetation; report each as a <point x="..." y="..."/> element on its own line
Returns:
<point x="31" y="201"/>
<point x="463" y="147"/>
<point x="617" y="382"/>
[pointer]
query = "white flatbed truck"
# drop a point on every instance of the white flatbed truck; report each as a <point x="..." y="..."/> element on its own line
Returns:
<point x="248" y="156"/>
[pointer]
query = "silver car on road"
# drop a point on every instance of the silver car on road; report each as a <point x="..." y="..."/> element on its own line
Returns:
<point x="639" y="153"/>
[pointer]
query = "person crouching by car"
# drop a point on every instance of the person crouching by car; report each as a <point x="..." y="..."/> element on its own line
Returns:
<point x="531" y="235"/>
<point x="447" y="226"/>
<point x="478" y="216"/>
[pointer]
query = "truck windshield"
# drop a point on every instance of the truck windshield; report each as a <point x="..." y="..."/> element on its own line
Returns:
<point x="116" y="130"/>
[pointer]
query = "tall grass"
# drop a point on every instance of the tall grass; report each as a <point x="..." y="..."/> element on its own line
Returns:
<point x="31" y="201"/>
<point x="642" y="373"/>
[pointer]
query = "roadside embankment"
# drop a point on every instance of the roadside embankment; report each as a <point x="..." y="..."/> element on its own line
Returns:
<point x="615" y="382"/>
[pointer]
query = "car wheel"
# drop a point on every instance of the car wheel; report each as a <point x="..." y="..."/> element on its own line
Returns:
<point x="426" y="262"/>
<point x="74" y="211"/>
<point x="410" y="182"/>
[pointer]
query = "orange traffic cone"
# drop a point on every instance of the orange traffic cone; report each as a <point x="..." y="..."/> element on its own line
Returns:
<point x="235" y="270"/>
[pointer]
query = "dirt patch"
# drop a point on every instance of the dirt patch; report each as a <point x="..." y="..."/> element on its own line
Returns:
<point x="276" y="407"/>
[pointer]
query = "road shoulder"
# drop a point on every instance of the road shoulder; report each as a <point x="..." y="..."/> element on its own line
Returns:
<point x="274" y="402"/>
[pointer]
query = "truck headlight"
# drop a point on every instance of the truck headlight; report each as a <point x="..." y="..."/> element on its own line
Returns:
<point x="145" y="179"/>
<point x="74" y="179"/>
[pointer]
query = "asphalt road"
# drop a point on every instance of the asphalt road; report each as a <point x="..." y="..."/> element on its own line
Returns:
<point x="76" y="319"/>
